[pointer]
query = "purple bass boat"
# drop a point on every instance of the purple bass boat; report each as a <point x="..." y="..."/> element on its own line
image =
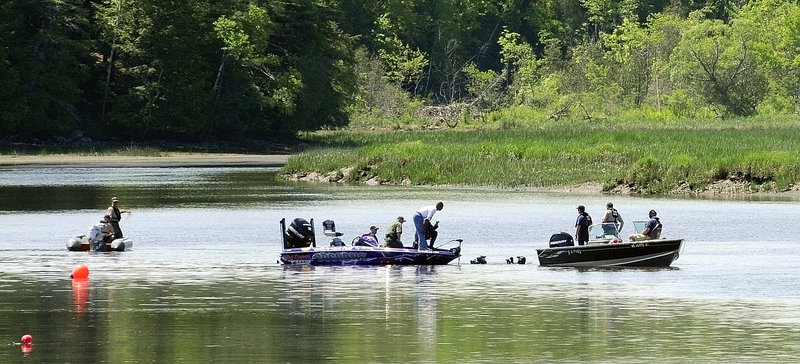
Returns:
<point x="300" y="247"/>
<point x="606" y="249"/>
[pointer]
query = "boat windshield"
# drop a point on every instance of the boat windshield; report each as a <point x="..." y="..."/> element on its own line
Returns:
<point x="639" y="225"/>
<point x="606" y="230"/>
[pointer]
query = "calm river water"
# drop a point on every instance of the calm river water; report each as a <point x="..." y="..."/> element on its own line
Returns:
<point x="202" y="283"/>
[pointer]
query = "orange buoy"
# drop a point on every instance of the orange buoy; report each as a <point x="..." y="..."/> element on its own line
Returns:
<point x="26" y="340"/>
<point x="81" y="271"/>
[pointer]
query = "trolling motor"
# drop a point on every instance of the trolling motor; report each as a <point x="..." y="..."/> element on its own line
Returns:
<point x="455" y="250"/>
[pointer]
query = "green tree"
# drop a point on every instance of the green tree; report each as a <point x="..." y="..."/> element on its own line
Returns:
<point x="638" y="53"/>
<point x="521" y="66"/>
<point x="45" y="60"/>
<point x="161" y="72"/>
<point x="718" y="62"/>
<point x="777" y="50"/>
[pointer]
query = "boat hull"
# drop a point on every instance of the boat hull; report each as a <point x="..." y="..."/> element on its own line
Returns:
<point x="362" y="255"/>
<point x="81" y="244"/>
<point x="649" y="253"/>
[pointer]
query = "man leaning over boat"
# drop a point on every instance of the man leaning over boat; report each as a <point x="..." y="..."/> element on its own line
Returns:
<point x="423" y="217"/>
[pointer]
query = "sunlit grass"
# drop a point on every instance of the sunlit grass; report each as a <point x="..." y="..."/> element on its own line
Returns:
<point x="649" y="156"/>
<point x="125" y="151"/>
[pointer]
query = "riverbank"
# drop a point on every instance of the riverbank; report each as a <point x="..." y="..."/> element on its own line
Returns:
<point x="678" y="157"/>
<point x="165" y="160"/>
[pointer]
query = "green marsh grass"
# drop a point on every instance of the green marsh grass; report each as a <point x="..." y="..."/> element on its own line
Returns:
<point x="650" y="157"/>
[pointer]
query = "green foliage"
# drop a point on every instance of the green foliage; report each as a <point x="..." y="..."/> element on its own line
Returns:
<point x="44" y="61"/>
<point x="716" y="61"/>
<point x="777" y="50"/>
<point x="647" y="157"/>
<point x="247" y="37"/>
<point x="222" y="70"/>
<point x="404" y="64"/>
<point x="377" y="97"/>
<point x="521" y="66"/>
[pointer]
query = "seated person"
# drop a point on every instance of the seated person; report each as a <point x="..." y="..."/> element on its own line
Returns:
<point x="651" y="231"/>
<point x="107" y="229"/>
<point x="106" y="234"/>
<point x="393" y="234"/>
<point x="368" y="239"/>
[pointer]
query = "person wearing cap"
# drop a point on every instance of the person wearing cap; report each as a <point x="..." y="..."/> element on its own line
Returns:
<point x="612" y="215"/>
<point x="116" y="214"/>
<point x="422" y="221"/>
<point x="104" y="234"/>
<point x="651" y="231"/>
<point x="394" y="232"/>
<point x="107" y="229"/>
<point x="369" y="239"/>
<point x="582" y="226"/>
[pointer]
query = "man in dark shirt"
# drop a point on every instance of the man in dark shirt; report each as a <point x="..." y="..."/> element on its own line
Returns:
<point x="582" y="226"/>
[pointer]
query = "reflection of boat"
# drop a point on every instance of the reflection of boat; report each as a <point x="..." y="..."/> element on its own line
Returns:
<point x="93" y="239"/>
<point x="300" y="247"/>
<point x="605" y="248"/>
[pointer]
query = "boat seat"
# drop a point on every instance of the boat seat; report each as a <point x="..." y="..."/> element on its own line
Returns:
<point x="656" y="233"/>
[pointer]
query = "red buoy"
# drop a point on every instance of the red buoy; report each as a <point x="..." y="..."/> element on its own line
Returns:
<point x="81" y="271"/>
<point x="26" y="340"/>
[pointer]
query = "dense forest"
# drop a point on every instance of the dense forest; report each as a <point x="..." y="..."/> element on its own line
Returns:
<point x="200" y="70"/>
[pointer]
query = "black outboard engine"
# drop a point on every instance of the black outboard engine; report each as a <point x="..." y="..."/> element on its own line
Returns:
<point x="299" y="234"/>
<point x="329" y="229"/>
<point x="561" y="239"/>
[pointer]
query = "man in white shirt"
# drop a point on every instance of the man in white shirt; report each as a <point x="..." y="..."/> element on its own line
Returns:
<point x="424" y="216"/>
<point x="612" y="215"/>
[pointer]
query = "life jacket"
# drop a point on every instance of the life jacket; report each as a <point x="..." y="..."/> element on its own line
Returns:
<point x="612" y="217"/>
<point x="588" y="219"/>
<point x="655" y="232"/>
<point x="368" y="239"/>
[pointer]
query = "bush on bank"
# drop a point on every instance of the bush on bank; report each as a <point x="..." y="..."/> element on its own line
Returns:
<point x="675" y="156"/>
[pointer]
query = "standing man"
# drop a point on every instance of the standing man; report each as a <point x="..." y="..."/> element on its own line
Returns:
<point x="582" y="226"/>
<point x="116" y="214"/>
<point x="394" y="232"/>
<point x="422" y="219"/>
<point x="612" y="215"/>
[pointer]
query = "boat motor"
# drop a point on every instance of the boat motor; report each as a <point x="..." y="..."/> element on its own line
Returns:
<point x="329" y="229"/>
<point x="299" y="234"/>
<point x="561" y="239"/>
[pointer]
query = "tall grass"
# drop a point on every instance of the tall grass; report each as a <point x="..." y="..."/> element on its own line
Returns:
<point x="651" y="157"/>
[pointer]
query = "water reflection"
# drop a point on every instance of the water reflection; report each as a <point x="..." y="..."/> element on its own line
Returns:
<point x="80" y="297"/>
<point x="426" y="308"/>
<point x="203" y="285"/>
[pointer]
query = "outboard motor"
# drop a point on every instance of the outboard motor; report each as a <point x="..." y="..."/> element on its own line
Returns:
<point x="299" y="234"/>
<point x="329" y="229"/>
<point x="561" y="239"/>
<point x="96" y="238"/>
